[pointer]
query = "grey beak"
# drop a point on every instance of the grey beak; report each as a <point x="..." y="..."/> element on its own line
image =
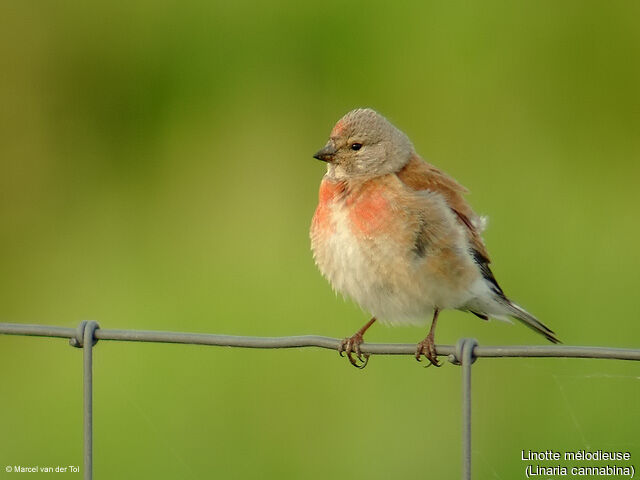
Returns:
<point x="327" y="153"/>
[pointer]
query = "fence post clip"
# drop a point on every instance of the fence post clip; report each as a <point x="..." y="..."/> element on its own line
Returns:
<point x="457" y="357"/>
<point x="78" y="340"/>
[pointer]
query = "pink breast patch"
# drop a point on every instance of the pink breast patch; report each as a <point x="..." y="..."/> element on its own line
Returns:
<point x="369" y="212"/>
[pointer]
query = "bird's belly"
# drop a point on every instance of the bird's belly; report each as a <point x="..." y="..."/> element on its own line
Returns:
<point x="381" y="273"/>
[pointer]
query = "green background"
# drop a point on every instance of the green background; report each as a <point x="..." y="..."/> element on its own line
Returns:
<point x="156" y="173"/>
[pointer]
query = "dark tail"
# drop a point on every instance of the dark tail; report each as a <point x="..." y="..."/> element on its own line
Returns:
<point x="532" y="322"/>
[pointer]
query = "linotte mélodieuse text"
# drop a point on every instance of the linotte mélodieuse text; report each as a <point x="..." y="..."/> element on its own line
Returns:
<point x="579" y="455"/>
<point x="534" y="470"/>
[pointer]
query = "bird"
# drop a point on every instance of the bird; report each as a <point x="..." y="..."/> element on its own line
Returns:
<point x="396" y="235"/>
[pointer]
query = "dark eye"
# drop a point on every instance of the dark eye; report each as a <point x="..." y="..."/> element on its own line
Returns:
<point x="356" y="146"/>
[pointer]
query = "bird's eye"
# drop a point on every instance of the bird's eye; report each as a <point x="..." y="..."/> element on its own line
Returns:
<point x="356" y="146"/>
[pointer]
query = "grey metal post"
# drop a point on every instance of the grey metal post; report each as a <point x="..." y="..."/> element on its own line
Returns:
<point x="88" y="398"/>
<point x="85" y="339"/>
<point x="464" y="352"/>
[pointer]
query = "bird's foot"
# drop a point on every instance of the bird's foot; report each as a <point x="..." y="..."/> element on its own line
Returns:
<point x="427" y="347"/>
<point x="350" y="345"/>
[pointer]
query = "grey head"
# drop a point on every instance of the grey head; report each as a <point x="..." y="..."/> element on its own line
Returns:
<point x="364" y="144"/>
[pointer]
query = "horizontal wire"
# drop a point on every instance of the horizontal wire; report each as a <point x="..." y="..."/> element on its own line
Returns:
<point x="320" y="342"/>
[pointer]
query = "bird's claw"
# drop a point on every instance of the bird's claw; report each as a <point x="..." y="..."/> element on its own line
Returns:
<point x="350" y="345"/>
<point x="427" y="347"/>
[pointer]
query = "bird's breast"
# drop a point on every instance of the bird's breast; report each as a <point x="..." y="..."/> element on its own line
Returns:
<point x="356" y="238"/>
<point x="369" y="213"/>
<point x="366" y="211"/>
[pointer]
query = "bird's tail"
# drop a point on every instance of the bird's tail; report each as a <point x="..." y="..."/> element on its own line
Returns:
<point x="532" y="322"/>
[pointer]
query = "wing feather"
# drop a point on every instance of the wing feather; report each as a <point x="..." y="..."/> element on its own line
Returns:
<point x="420" y="175"/>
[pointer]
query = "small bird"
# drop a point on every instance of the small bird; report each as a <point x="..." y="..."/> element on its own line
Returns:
<point x="395" y="234"/>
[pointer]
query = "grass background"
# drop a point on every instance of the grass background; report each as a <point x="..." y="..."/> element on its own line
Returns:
<point x="156" y="173"/>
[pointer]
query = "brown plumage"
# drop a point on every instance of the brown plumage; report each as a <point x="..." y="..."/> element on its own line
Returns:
<point x="420" y="175"/>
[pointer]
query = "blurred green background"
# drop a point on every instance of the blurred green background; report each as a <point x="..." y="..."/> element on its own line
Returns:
<point x="156" y="173"/>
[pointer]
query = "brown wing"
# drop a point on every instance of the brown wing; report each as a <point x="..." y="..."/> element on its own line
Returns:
<point x="420" y="175"/>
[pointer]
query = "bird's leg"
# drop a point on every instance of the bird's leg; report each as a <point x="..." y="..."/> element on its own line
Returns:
<point x="427" y="347"/>
<point x="352" y="344"/>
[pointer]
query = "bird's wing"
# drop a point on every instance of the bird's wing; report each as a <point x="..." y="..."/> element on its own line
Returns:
<point x="420" y="175"/>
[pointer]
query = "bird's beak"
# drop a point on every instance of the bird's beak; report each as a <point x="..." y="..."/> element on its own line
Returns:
<point x="327" y="153"/>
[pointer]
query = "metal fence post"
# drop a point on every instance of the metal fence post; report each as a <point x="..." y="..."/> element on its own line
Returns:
<point x="464" y="356"/>
<point x="85" y="339"/>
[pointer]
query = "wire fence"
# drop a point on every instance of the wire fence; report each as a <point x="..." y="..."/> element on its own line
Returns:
<point x="464" y="353"/>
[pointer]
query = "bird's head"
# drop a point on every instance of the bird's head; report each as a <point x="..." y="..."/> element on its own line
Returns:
<point x="364" y="144"/>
